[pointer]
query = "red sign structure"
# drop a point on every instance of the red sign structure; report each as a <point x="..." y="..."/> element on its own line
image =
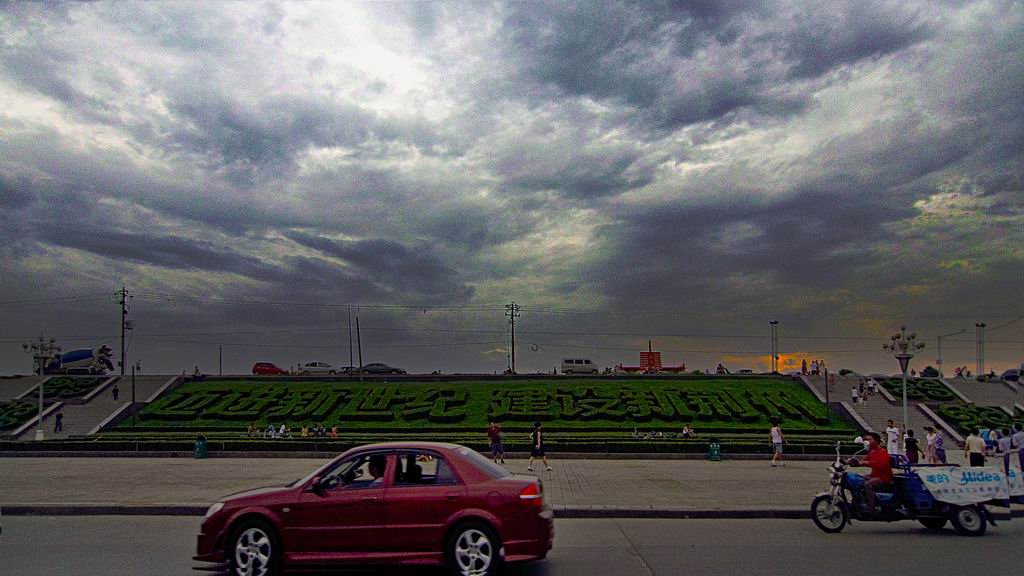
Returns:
<point x="650" y="361"/>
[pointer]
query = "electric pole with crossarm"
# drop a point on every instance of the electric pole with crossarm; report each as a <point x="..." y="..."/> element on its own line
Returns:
<point x="512" y="311"/>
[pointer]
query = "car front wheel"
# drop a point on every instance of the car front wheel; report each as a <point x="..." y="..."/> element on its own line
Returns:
<point x="473" y="550"/>
<point x="254" y="550"/>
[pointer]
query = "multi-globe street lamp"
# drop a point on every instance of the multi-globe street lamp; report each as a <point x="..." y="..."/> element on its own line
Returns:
<point x="903" y="346"/>
<point x="42" y="351"/>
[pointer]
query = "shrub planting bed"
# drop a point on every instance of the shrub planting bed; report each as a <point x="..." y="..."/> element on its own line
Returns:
<point x="68" y="387"/>
<point x="609" y="410"/>
<point x="14" y="413"/>
<point x="921" y="389"/>
<point x="966" y="416"/>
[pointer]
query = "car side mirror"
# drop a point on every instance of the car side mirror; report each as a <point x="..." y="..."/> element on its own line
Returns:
<point x="316" y="485"/>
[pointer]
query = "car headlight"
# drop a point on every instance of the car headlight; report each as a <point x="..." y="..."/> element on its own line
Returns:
<point x="214" y="509"/>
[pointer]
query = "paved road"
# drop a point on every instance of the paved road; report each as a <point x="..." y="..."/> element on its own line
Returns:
<point x="693" y="484"/>
<point x="162" y="546"/>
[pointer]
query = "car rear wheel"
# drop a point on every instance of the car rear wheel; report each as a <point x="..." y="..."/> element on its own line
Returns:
<point x="473" y="550"/>
<point x="332" y="372"/>
<point x="254" y="550"/>
<point x="305" y="372"/>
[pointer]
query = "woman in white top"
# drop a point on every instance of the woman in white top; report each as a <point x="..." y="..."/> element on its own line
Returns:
<point x="929" y="450"/>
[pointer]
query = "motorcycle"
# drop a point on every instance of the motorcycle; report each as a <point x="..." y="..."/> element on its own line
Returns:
<point x="907" y="498"/>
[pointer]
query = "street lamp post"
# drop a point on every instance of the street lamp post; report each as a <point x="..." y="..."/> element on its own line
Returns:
<point x="939" y="359"/>
<point x="903" y="346"/>
<point x="42" y="351"/>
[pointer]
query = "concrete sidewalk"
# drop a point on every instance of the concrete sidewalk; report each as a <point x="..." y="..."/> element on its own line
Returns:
<point x="577" y="484"/>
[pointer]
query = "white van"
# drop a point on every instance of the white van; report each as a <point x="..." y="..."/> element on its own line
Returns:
<point x="578" y="366"/>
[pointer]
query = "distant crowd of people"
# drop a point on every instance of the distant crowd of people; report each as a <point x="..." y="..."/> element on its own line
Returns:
<point x="271" y="431"/>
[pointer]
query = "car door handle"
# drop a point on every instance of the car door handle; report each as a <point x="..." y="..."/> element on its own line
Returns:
<point x="370" y="498"/>
<point x="452" y="496"/>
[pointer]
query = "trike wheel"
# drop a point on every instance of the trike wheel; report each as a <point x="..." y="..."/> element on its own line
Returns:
<point x="829" y="517"/>
<point x="968" y="520"/>
<point x="933" y="523"/>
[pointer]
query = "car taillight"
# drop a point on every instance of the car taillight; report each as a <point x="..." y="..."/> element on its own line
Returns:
<point x="532" y="496"/>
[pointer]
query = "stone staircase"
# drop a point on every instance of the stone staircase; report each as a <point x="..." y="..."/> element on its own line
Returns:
<point x="878" y="410"/>
<point x="987" y="393"/>
<point x="81" y="419"/>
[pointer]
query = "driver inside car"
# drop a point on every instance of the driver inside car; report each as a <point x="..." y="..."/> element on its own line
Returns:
<point x="877" y="459"/>
<point x="376" y="468"/>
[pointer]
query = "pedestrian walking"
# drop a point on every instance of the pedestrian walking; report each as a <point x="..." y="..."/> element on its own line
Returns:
<point x="58" y="422"/>
<point x="803" y="367"/>
<point x="777" y="439"/>
<point x="854" y="394"/>
<point x="892" y="435"/>
<point x="814" y="368"/>
<point x="1018" y="442"/>
<point x="1004" y="447"/>
<point x="537" y="447"/>
<point x="334" y="431"/>
<point x="872" y="387"/>
<point x="494" y="437"/>
<point x="115" y="391"/>
<point x="911" y="448"/>
<point x="974" y="448"/>
<point x="940" y="448"/>
<point x="271" y="431"/>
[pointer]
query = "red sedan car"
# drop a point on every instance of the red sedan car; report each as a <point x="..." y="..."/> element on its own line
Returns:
<point x="396" y="503"/>
<point x="267" y="368"/>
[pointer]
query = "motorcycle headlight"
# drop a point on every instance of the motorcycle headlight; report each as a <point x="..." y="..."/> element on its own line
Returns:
<point x="214" y="509"/>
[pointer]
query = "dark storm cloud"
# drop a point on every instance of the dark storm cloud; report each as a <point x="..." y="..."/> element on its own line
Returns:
<point x="173" y="252"/>
<point x="683" y="63"/>
<point x="414" y="270"/>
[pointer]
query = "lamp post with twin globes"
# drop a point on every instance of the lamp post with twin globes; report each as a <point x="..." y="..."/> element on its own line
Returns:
<point x="903" y="346"/>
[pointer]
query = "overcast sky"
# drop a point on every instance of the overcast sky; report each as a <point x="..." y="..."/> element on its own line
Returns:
<point x="682" y="170"/>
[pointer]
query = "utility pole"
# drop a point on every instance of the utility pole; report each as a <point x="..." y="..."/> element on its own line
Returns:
<point x="512" y="311"/>
<point x="351" y="360"/>
<point x="124" y="320"/>
<point x="220" y="362"/>
<point x="359" y="343"/>
<point x="775" y="346"/>
<point x="979" y="329"/>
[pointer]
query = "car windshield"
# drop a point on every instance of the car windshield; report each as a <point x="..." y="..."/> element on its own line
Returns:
<point x="492" y="469"/>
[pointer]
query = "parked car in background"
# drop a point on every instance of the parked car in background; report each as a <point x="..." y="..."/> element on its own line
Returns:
<point x="267" y="368"/>
<point x="578" y="366"/>
<point x="379" y="368"/>
<point x="1012" y="375"/>
<point x="745" y="371"/>
<point x="414" y="503"/>
<point x="316" y="368"/>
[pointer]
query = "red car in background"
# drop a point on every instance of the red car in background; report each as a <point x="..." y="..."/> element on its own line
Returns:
<point x="261" y="368"/>
<point x="413" y="503"/>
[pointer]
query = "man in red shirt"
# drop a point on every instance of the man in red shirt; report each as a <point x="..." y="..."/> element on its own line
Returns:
<point x="877" y="459"/>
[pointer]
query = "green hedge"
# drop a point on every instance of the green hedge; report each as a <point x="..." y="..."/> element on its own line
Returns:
<point x="68" y="387"/>
<point x="921" y="389"/>
<point x="711" y="405"/>
<point x="15" y="413"/>
<point x="967" y="416"/>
